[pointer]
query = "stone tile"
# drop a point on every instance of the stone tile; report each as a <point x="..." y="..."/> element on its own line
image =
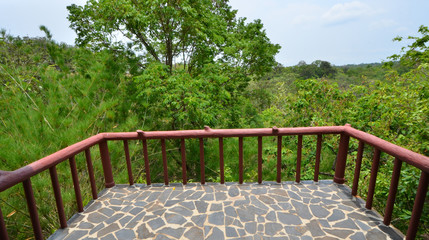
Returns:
<point x="375" y="234"/>
<point x="237" y="223"/>
<point x="230" y="211"/>
<point x="188" y="205"/>
<point x="229" y="221"/>
<point x="296" y="230"/>
<point x="336" y="215"/>
<point x="319" y="211"/>
<point x="201" y="206"/>
<point x="233" y="191"/>
<point x="97" y="228"/>
<point x="245" y="216"/>
<point x="174" y="232"/>
<point x="199" y="220"/>
<point x="250" y="227"/>
<point x="358" y="236"/>
<point x="256" y="210"/>
<point x="348" y="224"/>
<point x="125" y="220"/>
<point x="114" y="218"/>
<point x="342" y="234"/>
<point x="272" y="228"/>
<point x="77" y="234"/>
<point x="208" y="197"/>
<point x="170" y="203"/>
<point x="108" y="237"/>
<point x="217" y="234"/>
<point x="144" y="233"/>
<point x="96" y="217"/>
<point x="173" y="218"/>
<point x="182" y="211"/>
<point x="108" y="229"/>
<point x="195" y="196"/>
<point x="302" y="209"/>
<point x="156" y="223"/>
<point x="194" y="233"/>
<point x="267" y="200"/>
<point x="220" y="196"/>
<point x="289" y="219"/>
<point x="86" y="225"/>
<point x="217" y="218"/>
<point x="231" y="232"/>
<point x="245" y="201"/>
<point x="216" y="207"/>
<point x="125" y="234"/>
<point x="315" y="229"/>
<point x="271" y="216"/>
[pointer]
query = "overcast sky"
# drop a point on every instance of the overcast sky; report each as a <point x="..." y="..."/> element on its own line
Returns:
<point x="341" y="32"/>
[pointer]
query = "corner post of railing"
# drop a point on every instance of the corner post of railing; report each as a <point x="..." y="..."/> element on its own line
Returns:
<point x="107" y="165"/>
<point x="343" y="148"/>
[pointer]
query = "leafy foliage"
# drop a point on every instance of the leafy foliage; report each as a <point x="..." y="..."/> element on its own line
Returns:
<point x="417" y="52"/>
<point x="192" y="32"/>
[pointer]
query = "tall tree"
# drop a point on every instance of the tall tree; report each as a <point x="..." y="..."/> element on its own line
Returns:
<point x="187" y="32"/>
<point x="416" y="53"/>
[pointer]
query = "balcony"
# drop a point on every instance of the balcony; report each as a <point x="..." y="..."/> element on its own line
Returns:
<point x="315" y="209"/>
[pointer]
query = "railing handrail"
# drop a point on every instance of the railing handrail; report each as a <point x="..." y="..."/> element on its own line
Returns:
<point x="11" y="178"/>
<point x="417" y="160"/>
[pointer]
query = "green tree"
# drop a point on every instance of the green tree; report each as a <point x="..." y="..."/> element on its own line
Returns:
<point x="417" y="52"/>
<point x="316" y="69"/>
<point x="189" y="32"/>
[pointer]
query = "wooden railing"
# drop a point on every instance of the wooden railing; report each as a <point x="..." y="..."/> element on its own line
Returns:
<point x="24" y="174"/>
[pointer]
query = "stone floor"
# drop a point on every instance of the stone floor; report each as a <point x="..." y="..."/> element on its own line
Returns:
<point x="231" y="211"/>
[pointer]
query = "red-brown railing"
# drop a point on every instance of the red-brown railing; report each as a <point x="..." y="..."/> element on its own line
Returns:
<point x="23" y="175"/>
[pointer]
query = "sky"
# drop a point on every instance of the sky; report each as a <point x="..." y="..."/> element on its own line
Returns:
<point x="338" y="31"/>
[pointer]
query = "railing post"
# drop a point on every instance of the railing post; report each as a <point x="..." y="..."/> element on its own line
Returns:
<point x="183" y="152"/>
<point x="202" y="167"/>
<point x="164" y="161"/>
<point x="260" y="159"/>
<point x="392" y="191"/>
<point x="58" y="197"/>
<point x="76" y="186"/>
<point x="298" y="160"/>
<point x="3" y="230"/>
<point x="221" y="162"/>
<point x="357" y="168"/>
<point x="340" y="167"/>
<point x="91" y="173"/>
<point x="140" y="134"/>
<point x="107" y="165"/>
<point x="128" y="160"/>
<point x="318" y="152"/>
<point x="32" y="209"/>
<point x="373" y="178"/>
<point x="418" y="205"/>
<point x="240" y="160"/>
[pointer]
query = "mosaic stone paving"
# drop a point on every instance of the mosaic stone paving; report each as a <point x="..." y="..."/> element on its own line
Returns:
<point x="231" y="211"/>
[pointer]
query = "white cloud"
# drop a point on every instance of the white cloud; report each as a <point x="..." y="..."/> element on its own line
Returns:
<point x="345" y="12"/>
